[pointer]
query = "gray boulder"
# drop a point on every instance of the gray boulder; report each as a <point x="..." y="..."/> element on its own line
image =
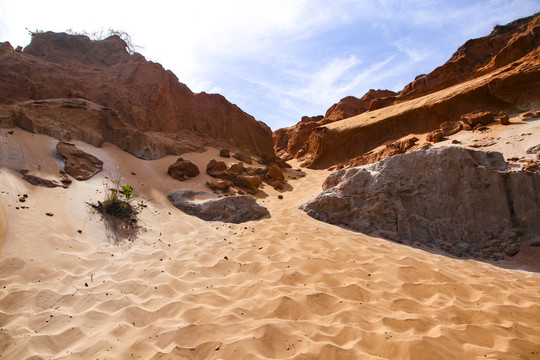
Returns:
<point x="231" y="209"/>
<point x="457" y="200"/>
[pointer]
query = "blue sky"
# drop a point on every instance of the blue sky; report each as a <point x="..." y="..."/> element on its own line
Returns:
<point x="279" y="59"/>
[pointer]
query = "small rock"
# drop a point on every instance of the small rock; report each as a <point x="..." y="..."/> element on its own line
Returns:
<point x="280" y="197"/>
<point x="503" y="118"/>
<point x="435" y="136"/>
<point x="244" y="156"/>
<point x="225" y="153"/>
<point x="451" y="127"/>
<point x="182" y="169"/>
<point x="478" y="117"/>
<point x="49" y="214"/>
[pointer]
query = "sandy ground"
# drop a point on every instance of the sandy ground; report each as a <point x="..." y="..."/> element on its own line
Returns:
<point x="285" y="287"/>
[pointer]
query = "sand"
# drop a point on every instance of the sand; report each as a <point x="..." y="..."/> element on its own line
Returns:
<point x="284" y="287"/>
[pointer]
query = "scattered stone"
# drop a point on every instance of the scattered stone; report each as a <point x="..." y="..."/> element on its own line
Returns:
<point x="232" y="209"/>
<point x="456" y="141"/>
<point x="435" y="136"/>
<point x="249" y="183"/>
<point x="216" y="168"/>
<point x="235" y="169"/>
<point x="395" y="148"/>
<point x="39" y="181"/>
<point x="275" y="177"/>
<point x="10" y="132"/>
<point x="244" y="156"/>
<point x="225" y="153"/>
<point x="421" y="196"/>
<point x="182" y="170"/>
<point x="504" y="118"/>
<point x="280" y="196"/>
<point x="78" y="164"/>
<point x="478" y="117"/>
<point x="219" y="184"/>
<point x="531" y="114"/>
<point x="79" y="231"/>
<point x="49" y="214"/>
<point x="451" y="127"/>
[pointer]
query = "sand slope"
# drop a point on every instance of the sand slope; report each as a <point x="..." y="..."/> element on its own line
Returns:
<point x="285" y="287"/>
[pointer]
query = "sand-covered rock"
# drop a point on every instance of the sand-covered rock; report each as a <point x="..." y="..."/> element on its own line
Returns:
<point x="457" y="200"/>
<point x="231" y="209"/>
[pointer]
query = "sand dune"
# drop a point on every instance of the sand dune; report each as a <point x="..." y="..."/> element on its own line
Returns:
<point x="285" y="287"/>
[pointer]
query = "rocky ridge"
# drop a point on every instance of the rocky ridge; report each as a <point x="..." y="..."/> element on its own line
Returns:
<point x="494" y="73"/>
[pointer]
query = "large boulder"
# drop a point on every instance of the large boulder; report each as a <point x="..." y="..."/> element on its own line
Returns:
<point x="457" y="200"/>
<point x="78" y="164"/>
<point x="231" y="209"/>
<point x="182" y="169"/>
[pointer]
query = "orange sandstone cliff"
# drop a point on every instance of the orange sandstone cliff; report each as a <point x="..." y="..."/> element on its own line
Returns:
<point x="71" y="87"/>
<point x="497" y="72"/>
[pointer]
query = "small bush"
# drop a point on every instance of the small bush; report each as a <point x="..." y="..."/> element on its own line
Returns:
<point x="118" y="211"/>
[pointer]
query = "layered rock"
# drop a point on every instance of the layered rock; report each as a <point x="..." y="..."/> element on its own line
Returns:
<point x="133" y="103"/>
<point x="477" y="57"/>
<point x="231" y="209"/>
<point x="352" y="106"/>
<point x="78" y="164"/>
<point x="508" y="79"/>
<point x="291" y="142"/>
<point x="457" y="200"/>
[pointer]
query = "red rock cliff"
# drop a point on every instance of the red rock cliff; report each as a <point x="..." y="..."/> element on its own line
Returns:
<point x="153" y="114"/>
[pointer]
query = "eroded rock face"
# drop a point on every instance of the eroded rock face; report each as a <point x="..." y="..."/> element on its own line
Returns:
<point x="140" y="106"/>
<point x="513" y="84"/>
<point x="79" y="164"/>
<point x="231" y="209"/>
<point x="479" y="56"/>
<point x="457" y="200"/>
<point x="352" y="106"/>
<point x="291" y="142"/>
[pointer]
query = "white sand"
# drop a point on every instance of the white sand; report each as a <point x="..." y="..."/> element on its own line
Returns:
<point x="285" y="287"/>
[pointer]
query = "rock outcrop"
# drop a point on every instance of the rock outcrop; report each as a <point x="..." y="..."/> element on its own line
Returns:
<point x="291" y="142"/>
<point x="352" y="106"/>
<point x="477" y="57"/>
<point x="231" y="209"/>
<point x="457" y="200"/>
<point x="508" y="79"/>
<point x="116" y="96"/>
<point x="78" y="164"/>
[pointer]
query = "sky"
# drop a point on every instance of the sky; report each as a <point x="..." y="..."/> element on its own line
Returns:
<point x="278" y="60"/>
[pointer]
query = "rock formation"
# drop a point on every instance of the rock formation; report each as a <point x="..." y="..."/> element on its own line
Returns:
<point x="478" y="57"/>
<point x="457" y="200"/>
<point x="116" y="96"/>
<point x="291" y="142"/>
<point x="508" y="79"/>
<point x="78" y="164"/>
<point x="232" y="209"/>
<point x="182" y="169"/>
<point x="352" y="106"/>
